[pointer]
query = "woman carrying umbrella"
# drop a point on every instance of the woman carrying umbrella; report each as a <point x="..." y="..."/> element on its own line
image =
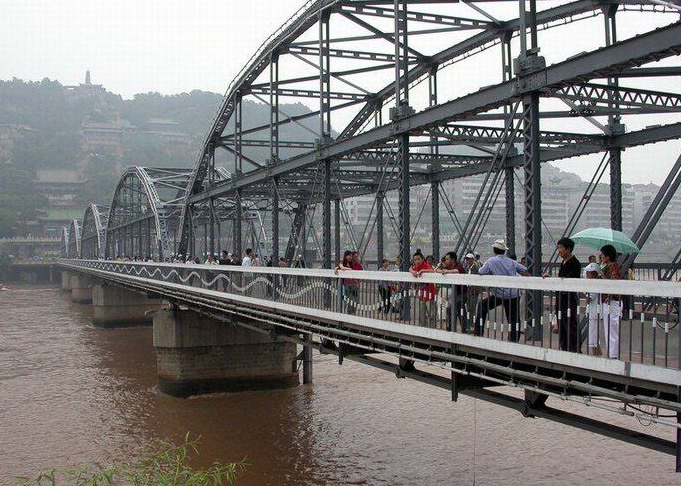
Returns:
<point x="610" y="242"/>
<point x="612" y="303"/>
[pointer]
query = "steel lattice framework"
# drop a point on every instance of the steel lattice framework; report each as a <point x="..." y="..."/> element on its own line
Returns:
<point x="142" y="220"/>
<point x="143" y="214"/>
<point x="65" y="242"/>
<point x="390" y="115"/>
<point x="376" y="69"/>
<point x="94" y="232"/>
<point x="74" y="239"/>
<point x="404" y="96"/>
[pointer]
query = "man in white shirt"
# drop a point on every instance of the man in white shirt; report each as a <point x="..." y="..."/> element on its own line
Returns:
<point x="248" y="276"/>
<point x="248" y="259"/>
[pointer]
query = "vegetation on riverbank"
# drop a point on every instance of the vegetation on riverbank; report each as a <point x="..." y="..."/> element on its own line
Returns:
<point x="166" y="466"/>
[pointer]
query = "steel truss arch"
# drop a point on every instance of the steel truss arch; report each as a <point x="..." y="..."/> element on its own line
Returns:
<point x="144" y="211"/>
<point x="74" y="239"/>
<point x="290" y="44"/>
<point x="64" y="250"/>
<point x="94" y="231"/>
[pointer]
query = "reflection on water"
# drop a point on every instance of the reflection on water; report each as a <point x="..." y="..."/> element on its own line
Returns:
<point x="70" y="393"/>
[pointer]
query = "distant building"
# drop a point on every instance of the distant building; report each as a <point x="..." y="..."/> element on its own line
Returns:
<point x="668" y="228"/>
<point x="60" y="188"/>
<point x="86" y="89"/>
<point x="597" y="211"/>
<point x="106" y="137"/>
<point x="51" y="221"/>
<point x="166" y="130"/>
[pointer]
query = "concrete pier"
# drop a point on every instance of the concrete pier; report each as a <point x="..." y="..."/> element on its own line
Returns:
<point x="81" y="288"/>
<point x="66" y="281"/>
<point x="196" y="355"/>
<point x="115" y="306"/>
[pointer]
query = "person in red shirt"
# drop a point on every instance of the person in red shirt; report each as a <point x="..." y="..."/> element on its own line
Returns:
<point x="426" y="292"/>
<point x="350" y="286"/>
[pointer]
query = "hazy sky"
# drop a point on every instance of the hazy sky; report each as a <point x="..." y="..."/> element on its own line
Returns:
<point x="173" y="46"/>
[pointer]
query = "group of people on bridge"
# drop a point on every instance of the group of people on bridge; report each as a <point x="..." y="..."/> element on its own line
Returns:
<point x="470" y="305"/>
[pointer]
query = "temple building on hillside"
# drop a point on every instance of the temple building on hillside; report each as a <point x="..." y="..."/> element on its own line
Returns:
<point x="60" y="188"/>
<point x="87" y="89"/>
<point x="106" y="137"/>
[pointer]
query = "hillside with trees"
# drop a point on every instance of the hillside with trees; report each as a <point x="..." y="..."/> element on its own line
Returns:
<point x="45" y="125"/>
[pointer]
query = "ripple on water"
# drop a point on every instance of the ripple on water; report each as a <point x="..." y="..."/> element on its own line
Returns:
<point x="71" y="393"/>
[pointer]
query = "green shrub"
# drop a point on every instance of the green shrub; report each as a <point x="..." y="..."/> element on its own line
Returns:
<point x="167" y="466"/>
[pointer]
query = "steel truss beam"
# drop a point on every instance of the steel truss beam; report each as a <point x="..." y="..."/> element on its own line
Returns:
<point x="461" y="22"/>
<point x="94" y="231"/>
<point x="631" y="139"/>
<point x="494" y="135"/>
<point x="608" y="61"/>
<point x="346" y="54"/>
<point x="311" y="93"/>
<point x="597" y="93"/>
<point x="306" y="18"/>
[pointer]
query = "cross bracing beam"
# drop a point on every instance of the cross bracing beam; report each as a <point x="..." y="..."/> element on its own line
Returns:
<point x="582" y="110"/>
<point x="346" y="72"/>
<point x="310" y="93"/>
<point x="369" y="156"/>
<point x="651" y="72"/>
<point x="383" y="35"/>
<point x="626" y="140"/>
<point x="346" y="54"/>
<point x="283" y="121"/>
<point x="599" y="93"/>
<point x="243" y="157"/>
<point x="356" y="38"/>
<point x="282" y="144"/>
<point x="478" y="41"/>
<point x="631" y="139"/>
<point x="493" y="135"/>
<point x="608" y="61"/>
<point x="461" y="22"/>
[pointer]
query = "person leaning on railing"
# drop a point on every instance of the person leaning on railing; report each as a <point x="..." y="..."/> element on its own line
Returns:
<point x="472" y="292"/>
<point x="384" y="287"/>
<point x="500" y="265"/>
<point x="349" y="286"/>
<point x="455" y="298"/>
<point x="426" y="292"/>
<point x="593" y="311"/>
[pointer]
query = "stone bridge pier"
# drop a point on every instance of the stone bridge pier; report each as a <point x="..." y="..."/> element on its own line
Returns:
<point x="80" y="287"/>
<point x="196" y="354"/>
<point x="66" y="281"/>
<point x="115" y="306"/>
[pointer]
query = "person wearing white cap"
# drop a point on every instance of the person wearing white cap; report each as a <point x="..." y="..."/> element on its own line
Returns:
<point x="500" y="264"/>
<point x="593" y="310"/>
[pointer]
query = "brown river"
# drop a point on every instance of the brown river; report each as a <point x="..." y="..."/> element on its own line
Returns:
<point x="72" y="394"/>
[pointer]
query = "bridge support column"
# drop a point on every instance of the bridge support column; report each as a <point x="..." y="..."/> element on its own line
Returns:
<point x="196" y="354"/>
<point x="66" y="281"/>
<point x="81" y="288"/>
<point x="117" y="307"/>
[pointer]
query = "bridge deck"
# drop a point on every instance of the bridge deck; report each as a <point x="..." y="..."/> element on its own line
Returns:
<point x="476" y="364"/>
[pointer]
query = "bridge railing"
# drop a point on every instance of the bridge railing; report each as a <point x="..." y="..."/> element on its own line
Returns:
<point x="633" y="321"/>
